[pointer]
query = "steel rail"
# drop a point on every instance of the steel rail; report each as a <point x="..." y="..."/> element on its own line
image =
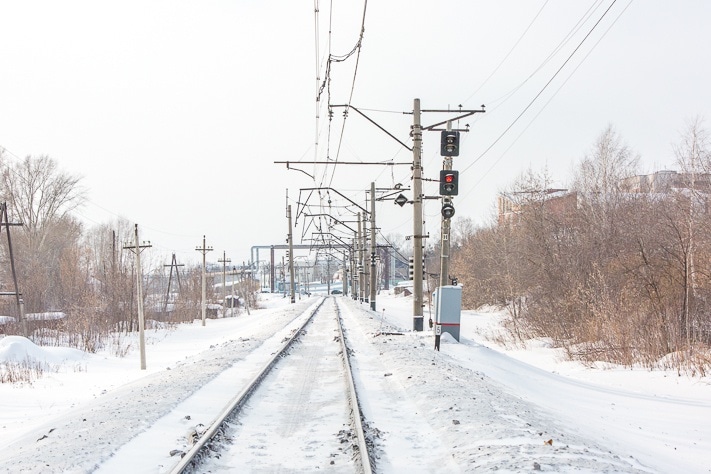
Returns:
<point x="353" y="397"/>
<point x="192" y="458"/>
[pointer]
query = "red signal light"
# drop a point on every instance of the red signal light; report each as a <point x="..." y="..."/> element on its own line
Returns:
<point x="448" y="182"/>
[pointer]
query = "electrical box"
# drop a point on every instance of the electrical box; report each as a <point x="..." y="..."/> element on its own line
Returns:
<point x="448" y="309"/>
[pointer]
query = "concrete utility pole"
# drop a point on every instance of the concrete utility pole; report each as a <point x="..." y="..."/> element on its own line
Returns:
<point x="373" y="272"/>
<point x="328" y="274"/>
<point x="366" y="266"/>
<point x="291" y="255"/>
<point x="417" y="300"/>
<point x="446" y="228"/>
<point x="204" y="249"/>
<point x="344" y="276"/>
<point x="224" y="263"/>
<point x="232" y="305"/>
<point x="361" y="276"/>
<point x="25" y="328"/>
<point x="354" y="267"/>
<point x="136" y="249"/>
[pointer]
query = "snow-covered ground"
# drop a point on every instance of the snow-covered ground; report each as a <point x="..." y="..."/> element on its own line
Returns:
<point x="553" y="415"/>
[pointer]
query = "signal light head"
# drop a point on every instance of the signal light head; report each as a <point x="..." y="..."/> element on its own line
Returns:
<point x="449" y="143"/>
<point x="448" y="182"/>
<point x="447" y="210"/>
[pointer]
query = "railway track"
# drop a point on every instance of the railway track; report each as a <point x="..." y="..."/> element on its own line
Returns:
<point x="303" y="401"/>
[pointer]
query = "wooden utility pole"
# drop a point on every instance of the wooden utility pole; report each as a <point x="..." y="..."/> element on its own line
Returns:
<point x="417" y="300"/>
<point x="204" y="249"/>
<point x="136" y="249"/>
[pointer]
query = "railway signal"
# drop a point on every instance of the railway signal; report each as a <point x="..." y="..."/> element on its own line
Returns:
<point x="448" y="183"/>
<point x="447" y="210"/>
<point x="449" y="144"/>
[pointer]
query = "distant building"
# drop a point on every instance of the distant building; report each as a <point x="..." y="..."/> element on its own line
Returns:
<point x="665" y="182"/>
<point x="560" y="202"/>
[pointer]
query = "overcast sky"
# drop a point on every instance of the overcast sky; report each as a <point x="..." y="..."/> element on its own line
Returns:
<point x="174" y="112"/>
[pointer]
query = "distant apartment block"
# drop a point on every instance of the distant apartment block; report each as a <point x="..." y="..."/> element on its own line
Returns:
<point x="665" y="182"/>
<point x="511" y="206"/>
<point x="562" y="202"/>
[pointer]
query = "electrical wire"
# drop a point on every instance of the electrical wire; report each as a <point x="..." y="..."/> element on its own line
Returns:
<point x="324" y="86"/>
<point x="509" y="53"/>
<point x="77" y="210"/>
<point x="356" y="50"/>
<point x="494" y="104"/>
<point x="535" y="98"/>
<point x="482" y="176"/>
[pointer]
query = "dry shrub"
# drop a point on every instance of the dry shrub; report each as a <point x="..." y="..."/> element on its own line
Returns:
<point x="23" y="371"/>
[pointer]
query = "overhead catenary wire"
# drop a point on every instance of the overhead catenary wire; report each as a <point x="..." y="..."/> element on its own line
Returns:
<point x="325" y="177"/>
<point x="356" y="50"/>
<point x="332" y="167"/>
<point x="317" y="61"/>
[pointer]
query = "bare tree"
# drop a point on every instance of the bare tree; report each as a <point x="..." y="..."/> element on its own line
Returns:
<point x="41" y="196"/>
<point x="112" y="274"/>
<point x="692" y="224"/>
<point x="38" y="193"/>
<point x="599" y="173"/>
<point x="693" y="153"/>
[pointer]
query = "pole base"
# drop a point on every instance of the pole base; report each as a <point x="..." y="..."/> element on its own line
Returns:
<point x="418" y="323"/>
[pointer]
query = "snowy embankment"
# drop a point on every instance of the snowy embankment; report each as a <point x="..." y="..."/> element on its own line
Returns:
<point x="473" y="405"/>
<point x="659" y="418"/>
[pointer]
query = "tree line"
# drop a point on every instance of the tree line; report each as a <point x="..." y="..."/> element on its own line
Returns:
<point x="613" y="268"/>
<point x="84" y="273"/>
<point x="616" y="268"/>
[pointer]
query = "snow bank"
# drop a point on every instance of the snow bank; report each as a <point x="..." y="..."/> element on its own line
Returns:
<point x="18" y="348"/>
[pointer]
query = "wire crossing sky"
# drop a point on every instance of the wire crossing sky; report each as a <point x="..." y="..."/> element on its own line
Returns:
<point x="175" y="112"/>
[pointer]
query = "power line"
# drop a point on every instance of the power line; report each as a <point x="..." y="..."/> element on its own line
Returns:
<point x="535" y="98"/>
<point x="508" y="54"/>
<point x="86" y="200"/>
<point x="494" y="104"/>
<point x="325" y="85"/>
<point x="482" y="176"/>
